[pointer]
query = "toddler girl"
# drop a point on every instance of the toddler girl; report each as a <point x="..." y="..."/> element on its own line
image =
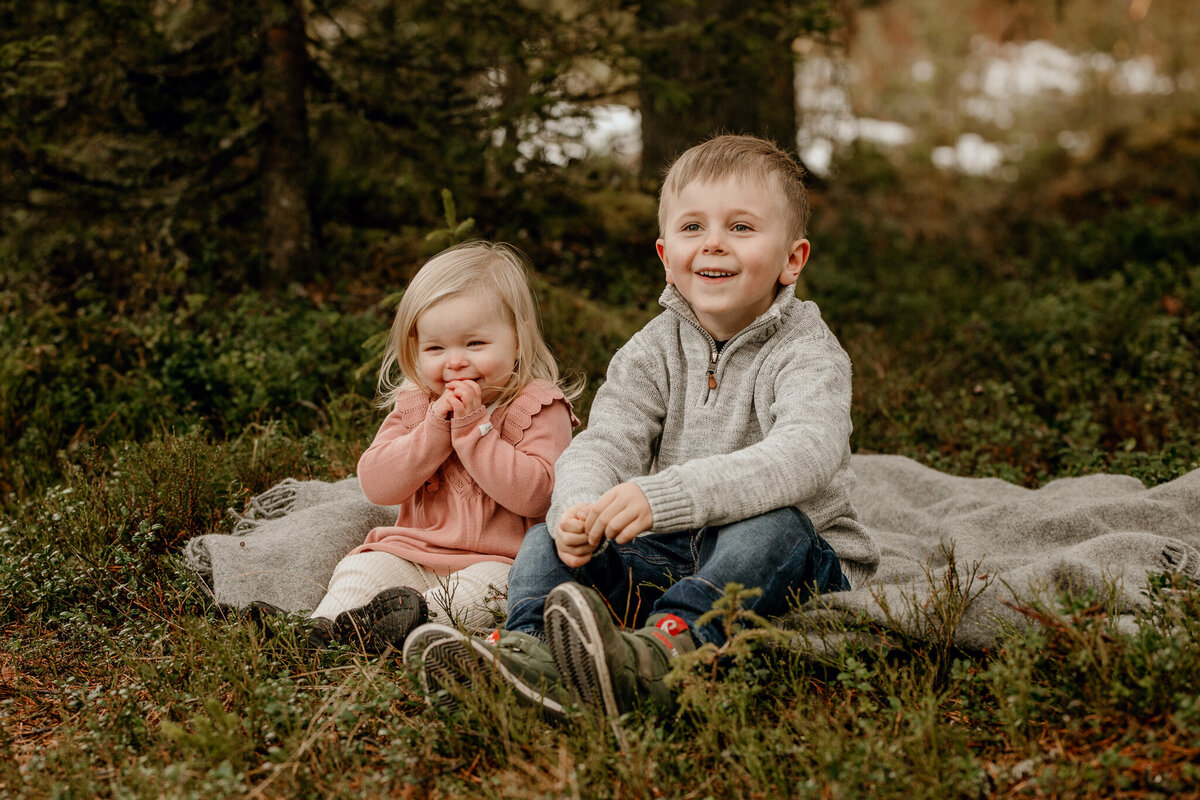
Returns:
<point x="477" y="418"/>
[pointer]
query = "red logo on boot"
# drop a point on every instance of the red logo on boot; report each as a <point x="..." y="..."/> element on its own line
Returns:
<point x="494" y="637"/>
<point x="672" y="624"/>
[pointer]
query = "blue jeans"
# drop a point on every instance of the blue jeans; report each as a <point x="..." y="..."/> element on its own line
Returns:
<point x="683" y="573"/>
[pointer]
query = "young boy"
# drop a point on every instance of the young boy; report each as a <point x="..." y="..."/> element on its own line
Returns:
<point x="717" y="451"/>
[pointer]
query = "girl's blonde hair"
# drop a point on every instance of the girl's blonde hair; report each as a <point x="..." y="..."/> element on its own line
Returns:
<point x="495" y="271"/>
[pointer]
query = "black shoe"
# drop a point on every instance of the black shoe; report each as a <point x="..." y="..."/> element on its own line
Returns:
<point x="320" y="633"/>
<point x="384" y="622"/>
<point x="261" y="614"/>
<point x="260" y="611"/>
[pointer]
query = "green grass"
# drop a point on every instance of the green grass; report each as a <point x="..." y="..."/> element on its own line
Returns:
<point x="129" y="431"/>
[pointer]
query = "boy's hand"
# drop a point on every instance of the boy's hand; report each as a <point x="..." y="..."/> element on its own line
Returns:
<point x="464" y="397"/>
<point x="620" y="514"/>
<point x="571" y="541"/>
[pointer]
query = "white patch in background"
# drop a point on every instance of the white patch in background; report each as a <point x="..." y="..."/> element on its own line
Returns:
<point x="1026" y="69"/>
<point x="826" y="117"/>
<point x="818" y="155"/>
<point x="943" y="157"/>
<point x="971" y="154"/>
<point x="923" y="71"/>
<point x="883" y="132"/>
<point x="1074" y="142"/>
<point x="1140" y="76"/>
<point x="613" y="130"/>
<point x="1001" y="81"/>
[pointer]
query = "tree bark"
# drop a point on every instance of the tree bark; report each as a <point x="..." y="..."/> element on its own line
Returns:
<point x="287" y="225"/>
<point x="743" y="82"/>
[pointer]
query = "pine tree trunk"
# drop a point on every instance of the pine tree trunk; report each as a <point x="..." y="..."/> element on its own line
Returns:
<point x="287" y="224"/>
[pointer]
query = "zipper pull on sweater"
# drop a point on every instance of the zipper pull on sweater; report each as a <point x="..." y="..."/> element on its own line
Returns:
<point x="711" y="373"/>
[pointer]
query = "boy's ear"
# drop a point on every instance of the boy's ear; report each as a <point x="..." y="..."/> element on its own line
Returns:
<point x="796" y="260"/>
<point x="660" y="247"/>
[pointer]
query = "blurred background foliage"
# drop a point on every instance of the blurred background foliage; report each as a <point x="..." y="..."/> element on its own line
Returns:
<point x="203" y="205"/>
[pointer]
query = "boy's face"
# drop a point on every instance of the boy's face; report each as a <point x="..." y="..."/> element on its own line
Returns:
<point x="727" y="249"/>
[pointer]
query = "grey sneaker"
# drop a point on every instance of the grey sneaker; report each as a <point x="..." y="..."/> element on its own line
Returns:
<point x="603" y="666"/>
<point x="384" y="622"/>
<point x="443" y="656"/>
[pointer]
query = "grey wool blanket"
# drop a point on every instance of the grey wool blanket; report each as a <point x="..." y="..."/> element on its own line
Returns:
<point x="993" y="546"/>
<point x="283" y="548"/>
<point x="983" y="550"/>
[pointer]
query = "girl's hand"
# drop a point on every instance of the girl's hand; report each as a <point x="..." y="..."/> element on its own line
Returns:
<point x="441" y="407"/>
<point x="465" y="397"/>
<point x="571" y="540"/>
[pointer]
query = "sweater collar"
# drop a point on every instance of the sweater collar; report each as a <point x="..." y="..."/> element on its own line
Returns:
<point x="672" y="300"/>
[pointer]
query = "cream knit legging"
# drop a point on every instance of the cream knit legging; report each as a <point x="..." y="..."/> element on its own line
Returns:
<point x="472" y="597"/>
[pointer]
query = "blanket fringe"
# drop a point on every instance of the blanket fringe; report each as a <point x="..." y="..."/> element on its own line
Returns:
<point x="198" y="559"/>
<point x="275" y="502"/>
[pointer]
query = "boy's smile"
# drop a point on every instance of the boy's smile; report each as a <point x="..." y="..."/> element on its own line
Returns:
<point x="727" y="248"/>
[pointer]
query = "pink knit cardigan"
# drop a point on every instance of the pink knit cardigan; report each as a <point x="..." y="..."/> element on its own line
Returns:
<point x="468" y="489"/>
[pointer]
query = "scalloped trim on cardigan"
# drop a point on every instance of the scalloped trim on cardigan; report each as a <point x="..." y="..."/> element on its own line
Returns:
<point x="519" y="414"/>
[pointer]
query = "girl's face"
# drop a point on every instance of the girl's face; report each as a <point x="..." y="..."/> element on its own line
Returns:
<point x="466" y="338"/>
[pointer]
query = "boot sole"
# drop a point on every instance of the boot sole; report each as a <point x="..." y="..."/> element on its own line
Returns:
<point x="445" y="656"/>
<point x="437" y="666"/>
<point x="383" y="622"/>
<point x="573" y="635"/>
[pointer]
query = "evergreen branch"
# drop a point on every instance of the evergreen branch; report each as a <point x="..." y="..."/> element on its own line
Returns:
<point x="322" y="81"/>
<point x="58" y="174"/>
<point x="158" y="71"/>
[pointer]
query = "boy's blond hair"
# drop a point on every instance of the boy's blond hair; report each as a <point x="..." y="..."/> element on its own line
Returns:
<point x="500" y="274"/>
<point x="740" y="156"/>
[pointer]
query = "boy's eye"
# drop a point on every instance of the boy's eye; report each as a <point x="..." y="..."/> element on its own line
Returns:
<point x="741" y="227"/>
<point x="476" y="343"/>
<point x="692" y="227"/>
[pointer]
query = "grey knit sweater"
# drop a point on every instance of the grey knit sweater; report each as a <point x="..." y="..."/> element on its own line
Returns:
<point x="773" y="432"/>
